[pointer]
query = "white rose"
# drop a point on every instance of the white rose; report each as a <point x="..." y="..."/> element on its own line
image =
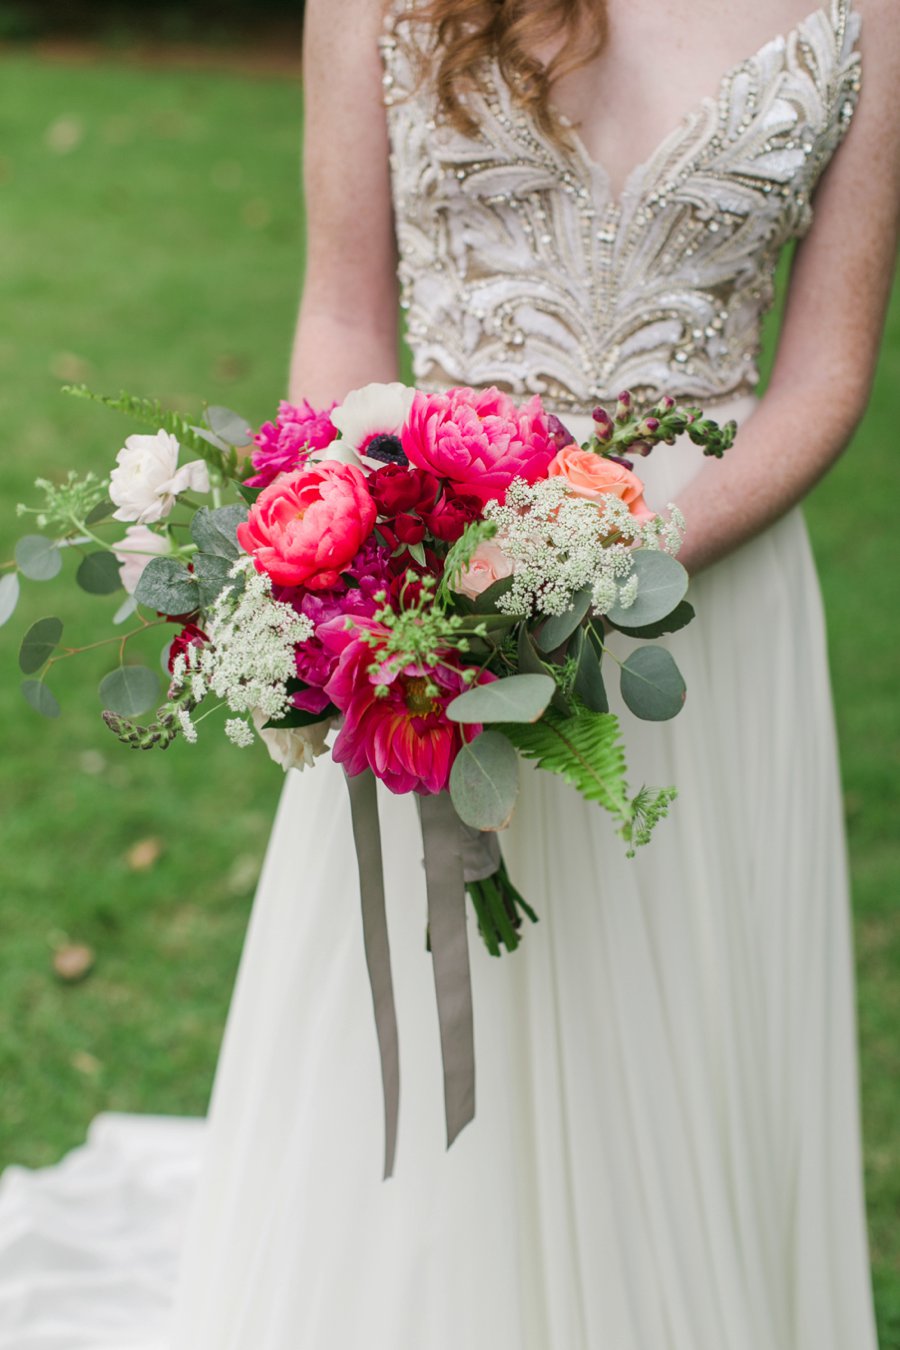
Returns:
<point x="374" y="410"/>
<point x="147" y="480"/>
<point x="135" y="551"/>
<point x="294" y="747"/>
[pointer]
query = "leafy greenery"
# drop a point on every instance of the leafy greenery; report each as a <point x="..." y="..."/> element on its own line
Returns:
<point x="175" y="181"/>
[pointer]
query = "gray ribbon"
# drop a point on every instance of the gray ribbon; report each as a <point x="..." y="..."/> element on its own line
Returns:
<point x="444" y="846"/>
<point x="481" y="852"/>
<point x="367" y="836"/>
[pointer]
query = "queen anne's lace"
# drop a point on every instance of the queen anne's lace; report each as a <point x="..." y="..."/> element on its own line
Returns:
<point x="519" y="269"/>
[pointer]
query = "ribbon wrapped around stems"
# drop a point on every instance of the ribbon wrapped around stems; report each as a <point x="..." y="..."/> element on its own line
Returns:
<point x="454" y="855"/>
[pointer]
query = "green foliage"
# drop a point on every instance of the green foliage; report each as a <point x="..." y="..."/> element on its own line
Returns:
<point x="459" y="555"/>
<point x="38" y="558"/>
<point x="556" y="630"/>
<point x="515" y="698"/>
<point x="484" y="781"/>
<point x="662" y="586"/>
<point x="39" y="644"/>
<point x="652" y="685"/>
<point x="98" y="573"/>
<point x="129" y="690"/>
<point x="151" y="413"/>
<point x="499" y="908"/>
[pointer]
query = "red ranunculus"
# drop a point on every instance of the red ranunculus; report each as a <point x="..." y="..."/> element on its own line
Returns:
<point x="449" y="518"/>
<point x="398" y="490"/>
<point x="190" y="636"/>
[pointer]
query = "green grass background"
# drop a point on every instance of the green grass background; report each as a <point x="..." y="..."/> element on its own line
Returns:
<point x="151" y="240"/>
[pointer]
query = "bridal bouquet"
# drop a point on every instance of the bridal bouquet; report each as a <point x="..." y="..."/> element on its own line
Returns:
<point x="429" y="576"/>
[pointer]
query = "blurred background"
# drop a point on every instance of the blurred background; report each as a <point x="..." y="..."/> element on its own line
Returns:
<point x="151" y="239"/>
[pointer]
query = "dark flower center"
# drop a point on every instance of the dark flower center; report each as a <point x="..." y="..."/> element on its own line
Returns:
<point x="387" y="449"/>
<point x="418" y="699"/>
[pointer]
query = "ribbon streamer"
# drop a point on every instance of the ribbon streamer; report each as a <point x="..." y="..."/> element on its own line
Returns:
<point x="367" y="836"/>
<point x="443" y="840"/>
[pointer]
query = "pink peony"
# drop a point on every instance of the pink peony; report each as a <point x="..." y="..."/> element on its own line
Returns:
<point x="405" y="736"/>
<point x="284" y="444"/>
<point x="307" y="526"/>
<point x="479" y="442"/>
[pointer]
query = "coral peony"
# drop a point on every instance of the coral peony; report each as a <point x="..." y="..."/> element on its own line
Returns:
<point x="480" y="442"/>
<point x="307" y="526"/>
<point x="592" y="476"/>
<point x="284" y="444"/>
<point x="405" y="736"/>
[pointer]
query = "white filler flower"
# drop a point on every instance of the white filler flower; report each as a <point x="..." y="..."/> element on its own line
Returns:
<point x="147" y="478"/>
<point x="371" y="417"/>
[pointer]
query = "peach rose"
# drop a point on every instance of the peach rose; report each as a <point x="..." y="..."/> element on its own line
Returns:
<point x="591" y="476"/>
<point x="488" y="564"/>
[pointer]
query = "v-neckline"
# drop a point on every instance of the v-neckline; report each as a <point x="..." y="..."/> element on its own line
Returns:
<point x="597" y="169"/>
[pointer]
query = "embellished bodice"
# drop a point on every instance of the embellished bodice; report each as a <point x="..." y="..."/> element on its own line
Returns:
<point x="518" y="268"/>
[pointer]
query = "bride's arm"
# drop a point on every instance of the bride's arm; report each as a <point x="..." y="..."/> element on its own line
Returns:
<point x="347" y="327"/>
<point x="839" y="289"/>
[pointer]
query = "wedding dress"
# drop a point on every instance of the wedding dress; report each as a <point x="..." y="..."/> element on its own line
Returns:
<point x="666" y="1150"/>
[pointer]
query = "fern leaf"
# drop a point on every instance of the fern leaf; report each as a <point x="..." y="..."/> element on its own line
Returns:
<point x="585" y="750"/>
<point x="151" y="413"/>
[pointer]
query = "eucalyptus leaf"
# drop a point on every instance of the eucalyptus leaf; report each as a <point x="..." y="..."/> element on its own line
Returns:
<point x="589" y="684"/>
<point x="530" y="662"/>
<point x="215" y="531"/>
<point x="517" y="698"/>
<point x="39" y="644"/>
<point x="130" y="690"/>
<point x="680" y="617"/>
<point x="662" y="585"/>
<point x="38" y="558"/>
<point x="10" y="590"/>
<point x="125" y="610"/>
<point x="487" y="600"/>
<point x="212" y="576"/>
<point x="39" y="696"/>
<point x="484" y="781"/>
<point x="98" y="573"/>
<point x="229" y="426"/>
<point x="102" y="511"/>
<point x="210" y="437"/>
<point x="168" y="586"/>
<point x="652" y="685"/>
<point x="559" y="627"/>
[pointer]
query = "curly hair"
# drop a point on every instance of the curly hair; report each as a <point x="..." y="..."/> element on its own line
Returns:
<point x="464" y="33"/>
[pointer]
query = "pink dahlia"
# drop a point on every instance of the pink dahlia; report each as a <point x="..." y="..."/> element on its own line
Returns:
<point x="479" y="442"/>
<point x="305" y="528"/>
<point x="405" y="736"/>
<point x="284" y="444"/>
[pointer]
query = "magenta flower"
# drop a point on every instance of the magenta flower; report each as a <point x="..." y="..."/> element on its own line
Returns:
<point x="284" y="444"/>
<point x="479" y="442"/>
<point x="405" y="736"/>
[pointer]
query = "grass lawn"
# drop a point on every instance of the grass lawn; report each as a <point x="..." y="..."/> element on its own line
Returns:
<point x="151" y="241"/>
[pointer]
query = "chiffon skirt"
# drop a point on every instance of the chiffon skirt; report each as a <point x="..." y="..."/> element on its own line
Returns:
<point x="666" y="1150"/>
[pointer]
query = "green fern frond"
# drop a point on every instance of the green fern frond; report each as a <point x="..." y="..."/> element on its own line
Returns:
<point x="649" y="806"/>
<point x="151" y="413"/>
<point x="586" y="750"/>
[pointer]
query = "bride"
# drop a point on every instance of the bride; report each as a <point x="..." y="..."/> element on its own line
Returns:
<point x="581" y="197"/>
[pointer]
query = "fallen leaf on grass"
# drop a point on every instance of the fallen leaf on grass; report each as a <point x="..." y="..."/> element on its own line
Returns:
<point x="73" y="962"/>
<point x="144" y="854"/>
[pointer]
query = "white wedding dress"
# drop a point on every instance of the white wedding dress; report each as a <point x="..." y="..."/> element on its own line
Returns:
<point x="666" y="1151"/>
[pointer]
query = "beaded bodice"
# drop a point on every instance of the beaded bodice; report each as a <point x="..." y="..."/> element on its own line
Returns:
<point x="518" y="268"/>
